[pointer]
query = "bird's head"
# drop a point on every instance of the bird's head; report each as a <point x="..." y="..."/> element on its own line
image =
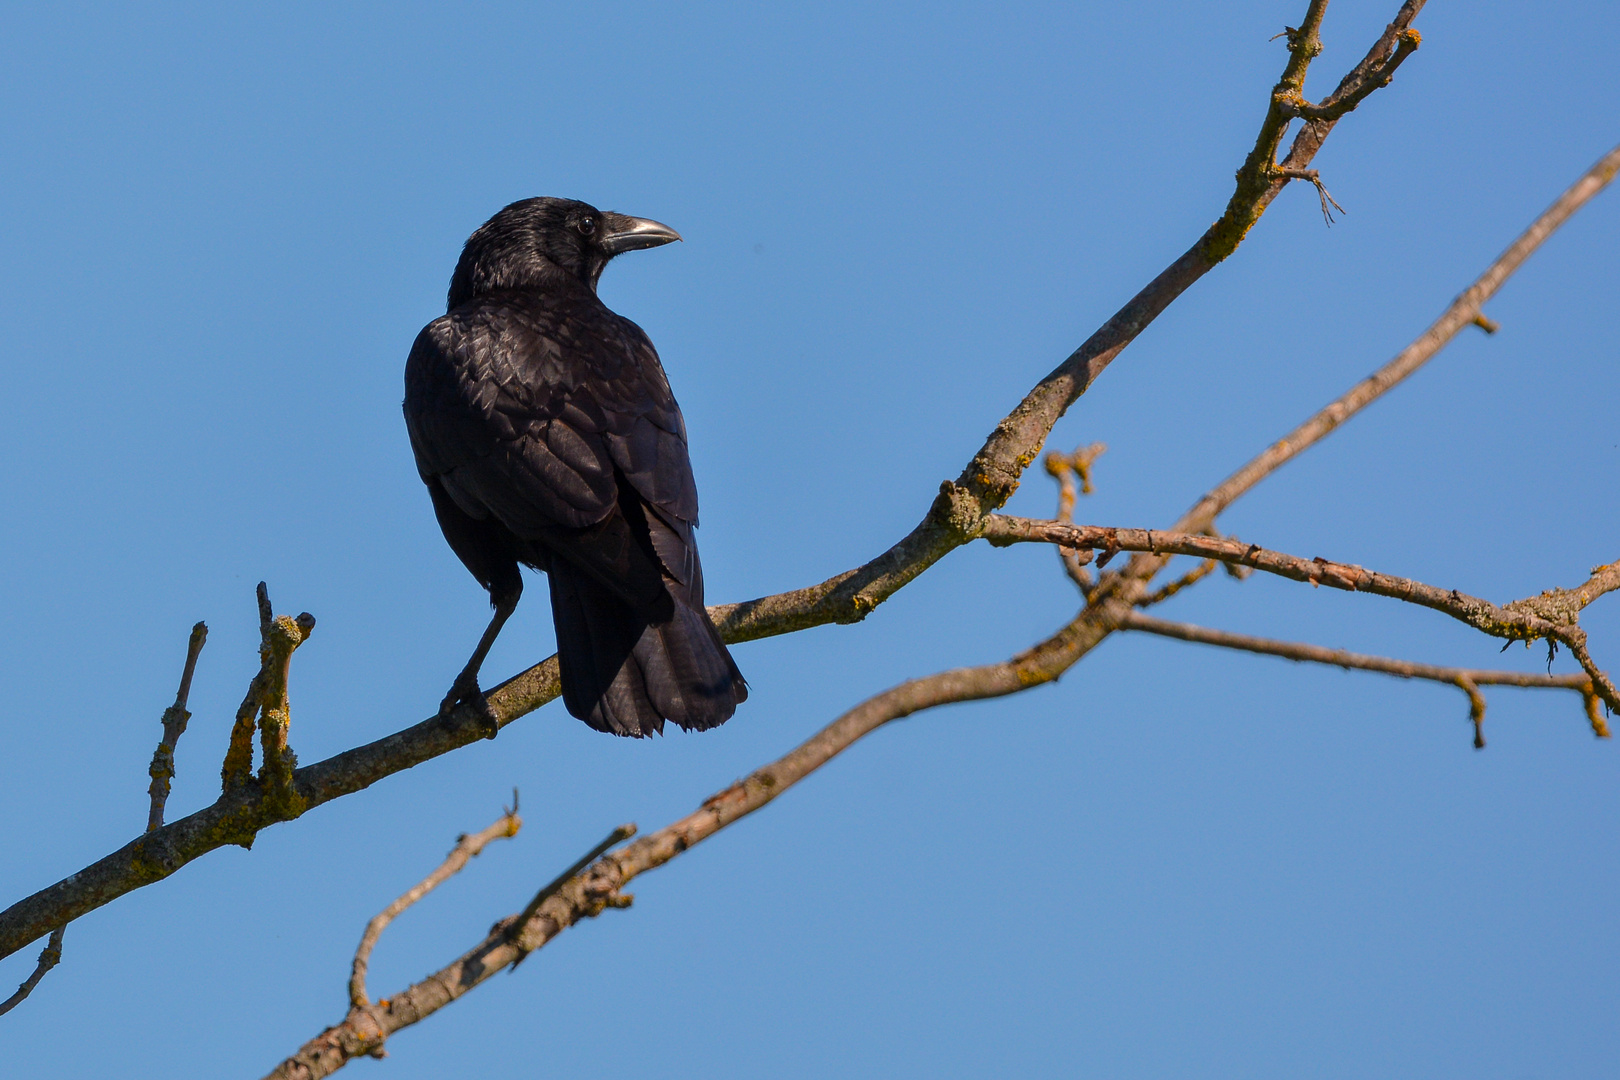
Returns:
<point x="537" y="242"/>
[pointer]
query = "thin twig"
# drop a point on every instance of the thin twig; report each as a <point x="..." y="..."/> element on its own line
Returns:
<point x="1065" y="468"/>
<point x="1476" y="708"/>
<point x="49" y="957"/>
<point x="174" y="725"/>
<point x="1342" y="658"/>
<point x="237" y="769"/>
<point x="1078" y="463"/>
<point x="1354" y="90"/>
<point x="467" y="846"/>
<point x="1469" y="679"/>
<point x="1602" y="686"/>
<point x="1329" y="203"/>
<point x="520" y="924"/>
<point x="1595" y="710"/>
<point x="1191" y="577"/>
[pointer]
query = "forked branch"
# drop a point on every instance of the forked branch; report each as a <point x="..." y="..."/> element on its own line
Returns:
<point x="1550" y="616"/>
<point x="266" y="705"/>
<point x="467" y="846"/>
<point x="366" y="1028"/>
<point x="991" y="477"/>
<point x="49" y="957"/>
<point x="1469" y="680"/>
<point x="1368" y="76"/>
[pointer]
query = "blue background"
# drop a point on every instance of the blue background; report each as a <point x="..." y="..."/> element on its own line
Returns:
<point x="222" y="231"/>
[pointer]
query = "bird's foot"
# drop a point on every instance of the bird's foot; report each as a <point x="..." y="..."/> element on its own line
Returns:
<point x="465" y="691"/>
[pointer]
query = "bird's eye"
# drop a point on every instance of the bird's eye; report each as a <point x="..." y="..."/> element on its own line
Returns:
<point x="587" y="225"/>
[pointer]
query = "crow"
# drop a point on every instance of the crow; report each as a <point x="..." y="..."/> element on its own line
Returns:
<point x="545" y="430"/>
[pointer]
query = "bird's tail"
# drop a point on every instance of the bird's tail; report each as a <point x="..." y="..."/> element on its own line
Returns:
<point x="624" y="674"/>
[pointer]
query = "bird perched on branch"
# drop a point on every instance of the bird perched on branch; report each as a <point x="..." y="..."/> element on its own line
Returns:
<point x="545" y="430"/>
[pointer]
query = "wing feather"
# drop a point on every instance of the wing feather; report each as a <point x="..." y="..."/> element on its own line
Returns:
<point x="546" y="412"/>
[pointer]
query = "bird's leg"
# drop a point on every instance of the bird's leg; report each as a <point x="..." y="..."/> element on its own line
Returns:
<point x="465" y="691"/>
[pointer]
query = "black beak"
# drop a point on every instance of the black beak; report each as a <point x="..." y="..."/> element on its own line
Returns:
<point x="624" y="233"/>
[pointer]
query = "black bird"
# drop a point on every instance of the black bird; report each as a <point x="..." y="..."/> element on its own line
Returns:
<point x="545" y="430"/>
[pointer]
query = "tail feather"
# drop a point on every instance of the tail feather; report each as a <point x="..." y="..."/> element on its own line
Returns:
<point x="626" y="675"/>
<point x="688" y="672"/>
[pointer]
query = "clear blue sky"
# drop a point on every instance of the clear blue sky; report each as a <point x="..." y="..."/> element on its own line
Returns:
<point x="223" y="230"/>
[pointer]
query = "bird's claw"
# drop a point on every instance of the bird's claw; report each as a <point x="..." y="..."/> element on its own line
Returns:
<point x="465" y="691"/>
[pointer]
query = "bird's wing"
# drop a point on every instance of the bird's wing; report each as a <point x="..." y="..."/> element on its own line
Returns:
<point x="534" y="410"/>
<point x="649" y="448"/>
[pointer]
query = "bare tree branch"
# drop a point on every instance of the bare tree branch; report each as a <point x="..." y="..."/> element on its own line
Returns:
<point x="237" y="769"/>
<point x="993" y="474"/>
<point x="955" y="517"/>
<point x="366" y="1028"/>
<point x="467" y="846"/>
<point x="582" y="895"/>
<point x="49" y="957"/>
<point x="1112" y="599"/>
<point x="991" y="477"/>
<point x="1190" y="578"/>
<point x="1468" y="679"/>
<point x="517" y="927"/>
<point x="1367" y="77"/>
<point x="1550" y="616"/>
<point x="587" y="894"/>
<point x="1343" y="658"/>
<point x="174" y="725"/>
<point x="600" y="885"/>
